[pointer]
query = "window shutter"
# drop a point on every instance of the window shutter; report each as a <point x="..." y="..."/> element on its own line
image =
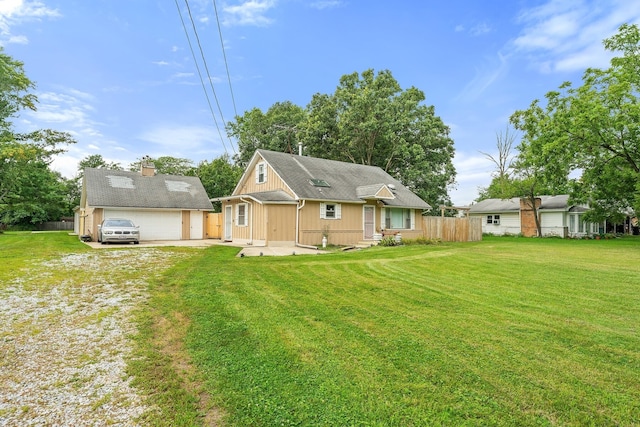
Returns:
<point x="257" y="173"/>
<point x="323" y="211"/>
<point x="338" y="211"/>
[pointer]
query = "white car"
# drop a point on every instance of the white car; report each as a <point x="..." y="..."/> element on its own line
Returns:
<point x="118" y="230"/>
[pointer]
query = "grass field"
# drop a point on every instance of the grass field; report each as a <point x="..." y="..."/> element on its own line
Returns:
<point x="507" y="331"/>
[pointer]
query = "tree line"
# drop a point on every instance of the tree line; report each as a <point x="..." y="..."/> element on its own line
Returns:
<point x="581" y="141"/>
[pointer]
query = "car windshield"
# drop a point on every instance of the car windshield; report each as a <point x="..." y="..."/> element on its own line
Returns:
<point x="118" y="223"/>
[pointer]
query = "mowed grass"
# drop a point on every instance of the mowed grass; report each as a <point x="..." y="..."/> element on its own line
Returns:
<point x="507" y="331"/>
<point x="18" y="250"/>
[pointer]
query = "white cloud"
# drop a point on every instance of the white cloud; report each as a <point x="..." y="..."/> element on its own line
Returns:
<point x="480" y="29"/>
<point x="69" y="110"/>
<point x="252" y="12"/>
<point x="181" y="141"/>
<point x="492" y="71"/>
<point x="16" y="12"/>
<point x="72" y="111"/>
<point x="563" y="36"/>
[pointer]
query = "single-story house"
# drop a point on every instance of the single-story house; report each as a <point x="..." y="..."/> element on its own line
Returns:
<point x="165" y="207"/>
<point x="515" y="216"/>
<point x="286" y="200"/>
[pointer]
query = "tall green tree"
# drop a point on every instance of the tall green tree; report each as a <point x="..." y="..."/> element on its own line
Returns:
<point x="166" y="165"/>
<point x="275" y="130"/>
<point x="219" y="177"/>
<point x="15" y="89"/>
<point x="370" y="120"/>
<point x="594" y="130"/>
<point x="97" y="161"/>
<point x="29" y="191"/>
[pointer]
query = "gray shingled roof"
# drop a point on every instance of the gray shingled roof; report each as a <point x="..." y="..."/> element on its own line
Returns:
<point x="272" y="196"/>
<point x="343" y="178"/>
<point x="513" y="205"/>
<point x="125" y="189"/>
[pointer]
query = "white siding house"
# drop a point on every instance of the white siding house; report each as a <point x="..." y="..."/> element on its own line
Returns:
<point x="557" y="217"/>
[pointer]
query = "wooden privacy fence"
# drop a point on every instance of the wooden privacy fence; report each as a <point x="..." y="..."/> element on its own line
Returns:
<point x="214" y="225"/>
<point x="452" y="229"/>
<point x="55" y="225"/>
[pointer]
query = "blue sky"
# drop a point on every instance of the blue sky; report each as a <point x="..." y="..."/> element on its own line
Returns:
<point x="119" y="75"/>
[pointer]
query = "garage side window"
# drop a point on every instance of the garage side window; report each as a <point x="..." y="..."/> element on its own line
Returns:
<point x="241" y="215"/>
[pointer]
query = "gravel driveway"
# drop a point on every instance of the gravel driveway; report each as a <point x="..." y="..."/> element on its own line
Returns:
<point x="64" y="338"/>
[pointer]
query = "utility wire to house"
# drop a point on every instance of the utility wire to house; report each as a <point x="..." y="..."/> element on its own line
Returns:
<point x="193" y="54"/>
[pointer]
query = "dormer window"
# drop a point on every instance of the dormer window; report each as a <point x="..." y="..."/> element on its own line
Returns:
<point x="261" y="173"/>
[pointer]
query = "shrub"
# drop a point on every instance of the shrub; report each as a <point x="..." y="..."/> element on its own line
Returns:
<point x="421" y="241"/>
<point x="389" y="241"/>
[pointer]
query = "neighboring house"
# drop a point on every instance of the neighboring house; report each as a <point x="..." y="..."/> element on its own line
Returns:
<point x="286" y="200"/>
<point x="165" y="207"/>
<point x="515" y="216"/>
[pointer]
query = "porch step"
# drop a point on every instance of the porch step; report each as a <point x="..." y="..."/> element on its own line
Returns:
<point x="365" y="244"/>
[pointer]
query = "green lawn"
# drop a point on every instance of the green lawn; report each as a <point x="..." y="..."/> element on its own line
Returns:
<point x="508" y="331"/>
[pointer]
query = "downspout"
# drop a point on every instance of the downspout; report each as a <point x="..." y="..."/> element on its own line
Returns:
<point x="298" y="227"/>
<point x="250" y="217"/>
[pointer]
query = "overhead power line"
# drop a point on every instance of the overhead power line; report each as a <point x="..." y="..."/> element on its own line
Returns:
<point x="224" y="55"/>
<point x="207" y="73"/>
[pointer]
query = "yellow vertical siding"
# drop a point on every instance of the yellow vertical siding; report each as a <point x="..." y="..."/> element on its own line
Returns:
<point x="345" y="231"/>
<point x="281" y="224"/>
<point x="273" y="183"/>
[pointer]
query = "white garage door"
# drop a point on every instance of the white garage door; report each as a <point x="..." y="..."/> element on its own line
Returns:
<point x="154" y="225"/>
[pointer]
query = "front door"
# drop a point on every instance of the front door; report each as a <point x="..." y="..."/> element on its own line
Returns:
<point x="228" y="221"/>
<point x="369" y="222"/>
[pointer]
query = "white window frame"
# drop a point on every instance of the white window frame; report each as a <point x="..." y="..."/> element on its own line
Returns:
<point x="337" y="211"/>
<point x="261" y="173"/>
<point x="244" y="221"/>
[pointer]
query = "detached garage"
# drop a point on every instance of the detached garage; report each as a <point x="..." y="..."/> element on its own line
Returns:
<point x="165" y="207"/>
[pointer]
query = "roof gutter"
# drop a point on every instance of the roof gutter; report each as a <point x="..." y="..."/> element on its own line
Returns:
<point x="298" y="227"/>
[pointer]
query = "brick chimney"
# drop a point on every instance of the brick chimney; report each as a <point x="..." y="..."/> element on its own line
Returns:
<point x="527" y="218"/>
<point x="147" y="168"/>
